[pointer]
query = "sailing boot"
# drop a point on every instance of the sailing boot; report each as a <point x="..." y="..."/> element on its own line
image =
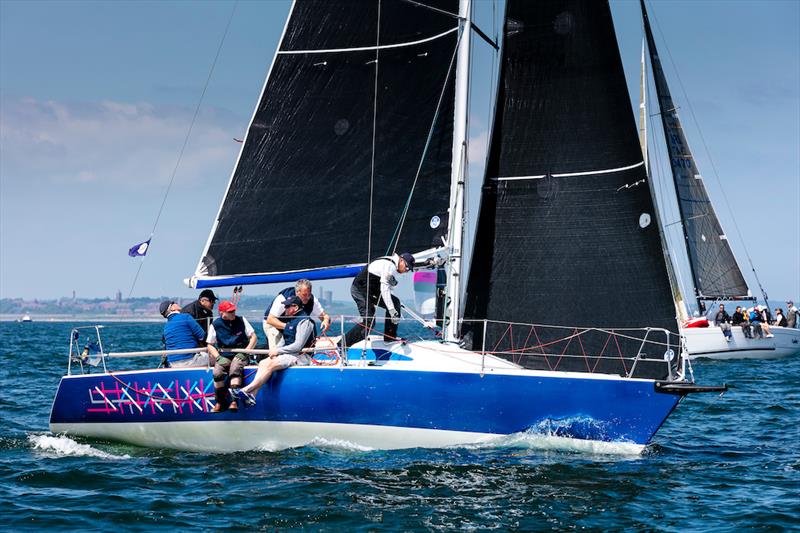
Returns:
<point x="221" y="397"/>
<point x="390" y="328"/>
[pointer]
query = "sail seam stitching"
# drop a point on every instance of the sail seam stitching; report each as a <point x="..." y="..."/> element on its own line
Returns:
<point x="367" y="48"/>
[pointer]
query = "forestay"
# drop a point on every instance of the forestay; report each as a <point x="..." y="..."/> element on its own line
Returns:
<point x="348" y="154"/>
<point x="714" y="269"/>
<point x="567" y="232"/>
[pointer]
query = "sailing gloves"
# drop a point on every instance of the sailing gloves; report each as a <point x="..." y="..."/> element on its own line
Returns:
<point x="395" y="317"/>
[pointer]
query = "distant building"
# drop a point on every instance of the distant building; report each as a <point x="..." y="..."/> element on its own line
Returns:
<point x="119" y="296"/>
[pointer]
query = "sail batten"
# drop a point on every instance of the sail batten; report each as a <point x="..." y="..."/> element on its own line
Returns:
<point x="363" y="48"/>
<point x="569" y="174"/>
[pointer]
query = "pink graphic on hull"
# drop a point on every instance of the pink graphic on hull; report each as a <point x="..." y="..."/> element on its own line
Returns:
<point x="132" y="398"/>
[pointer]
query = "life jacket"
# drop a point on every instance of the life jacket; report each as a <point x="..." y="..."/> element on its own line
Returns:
<point x="230" y="333"/>
<point x="364" y="277"/>
<point x="290" y="331"/>
<point x="286" y="293"/>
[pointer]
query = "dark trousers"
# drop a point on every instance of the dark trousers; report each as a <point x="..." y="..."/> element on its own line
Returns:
<point x="367" y="300"/>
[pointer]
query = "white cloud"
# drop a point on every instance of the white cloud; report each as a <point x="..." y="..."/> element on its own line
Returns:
<point x="478" y="144"/>
<point x="133" y="145"/>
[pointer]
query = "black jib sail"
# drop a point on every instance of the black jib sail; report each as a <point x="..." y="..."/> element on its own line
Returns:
<point x="714" y="269"/>
<point x="348" y="154"/>
<point x="567" y="232"/>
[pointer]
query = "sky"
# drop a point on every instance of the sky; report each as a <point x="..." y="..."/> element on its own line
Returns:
<point x="96" y="99"/>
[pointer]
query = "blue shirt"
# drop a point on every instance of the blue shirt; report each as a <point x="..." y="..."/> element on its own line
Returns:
<point x="182" y="331"/>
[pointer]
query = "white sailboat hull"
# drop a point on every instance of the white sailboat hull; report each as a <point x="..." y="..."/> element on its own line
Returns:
<point x="710" y="343"/>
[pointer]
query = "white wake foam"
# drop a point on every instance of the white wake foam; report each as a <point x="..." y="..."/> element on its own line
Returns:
<point x="61" y="446"/>
<point x="317" y="442"/>
<point x="339" y="444"/>
<point x="544" y="436"/>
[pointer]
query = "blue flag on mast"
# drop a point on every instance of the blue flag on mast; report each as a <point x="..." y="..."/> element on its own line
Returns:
<point x="139" y="249"/>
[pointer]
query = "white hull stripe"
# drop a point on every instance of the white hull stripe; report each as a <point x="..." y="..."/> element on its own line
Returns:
<point x="366" y="48"/>
<point x="232" y="436"/>
<point x="570" y="174"/>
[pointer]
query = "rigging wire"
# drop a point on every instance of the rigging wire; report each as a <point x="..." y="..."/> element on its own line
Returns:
<point x="394" y="241"/>
<point x="711" y="162"/>
<point x="667" y="203"/>
<point x="186" y="139"/>
<point x="436" y="9"/>
<point x="374" y="134"/>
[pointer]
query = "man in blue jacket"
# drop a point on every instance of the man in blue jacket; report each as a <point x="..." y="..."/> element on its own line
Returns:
<point x="182" y="331"/>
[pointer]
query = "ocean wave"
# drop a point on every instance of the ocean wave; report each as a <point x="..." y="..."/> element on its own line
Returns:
<point x="62" y="446"/>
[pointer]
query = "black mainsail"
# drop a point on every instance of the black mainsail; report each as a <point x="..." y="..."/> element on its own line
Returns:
<point x="714" y="269"/>
<point x="348" y="153"/>
<point x="566" y="231"/>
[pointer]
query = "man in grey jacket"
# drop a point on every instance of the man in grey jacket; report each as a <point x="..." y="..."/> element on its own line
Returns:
<point x="299" y="334"/>
<point x="791" y="315"/>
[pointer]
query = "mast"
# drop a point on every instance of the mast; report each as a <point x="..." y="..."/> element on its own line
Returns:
<point x="458" y="176"/>
<point x="680" y="307"/>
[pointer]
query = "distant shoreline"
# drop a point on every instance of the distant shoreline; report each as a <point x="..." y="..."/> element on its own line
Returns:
<point x="82" y="318"/>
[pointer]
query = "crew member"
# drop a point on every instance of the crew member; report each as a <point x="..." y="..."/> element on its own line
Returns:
<point x="180" y="332"/>
<point x="299" y="333"/>
<point x="275" y="318"/>
<point x="202" y="309"/>
<point x="229" y="332"/>
<point x="373" y="287"/>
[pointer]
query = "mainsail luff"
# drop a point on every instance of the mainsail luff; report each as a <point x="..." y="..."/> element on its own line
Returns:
<point x="564" y="232"/>
<point x="715" y="271"/>
<point x="300" y="189"/>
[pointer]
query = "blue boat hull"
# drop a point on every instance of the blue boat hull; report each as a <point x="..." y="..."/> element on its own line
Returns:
<point x="592" y="408"/>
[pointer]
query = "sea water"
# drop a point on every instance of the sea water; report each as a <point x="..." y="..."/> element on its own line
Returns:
<point x="719" y="463"/>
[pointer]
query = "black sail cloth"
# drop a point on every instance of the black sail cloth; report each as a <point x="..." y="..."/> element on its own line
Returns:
<point x="306" y="183"/>
<point x="715" y="272"/>
<point x="567" y="232"/>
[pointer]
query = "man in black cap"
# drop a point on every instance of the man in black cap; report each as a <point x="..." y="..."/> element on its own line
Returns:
<point x="202" y="309"/>
<point x="373" y="287"/>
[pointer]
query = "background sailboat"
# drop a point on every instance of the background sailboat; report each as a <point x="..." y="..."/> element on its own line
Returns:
<point x="716" y="276"/>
